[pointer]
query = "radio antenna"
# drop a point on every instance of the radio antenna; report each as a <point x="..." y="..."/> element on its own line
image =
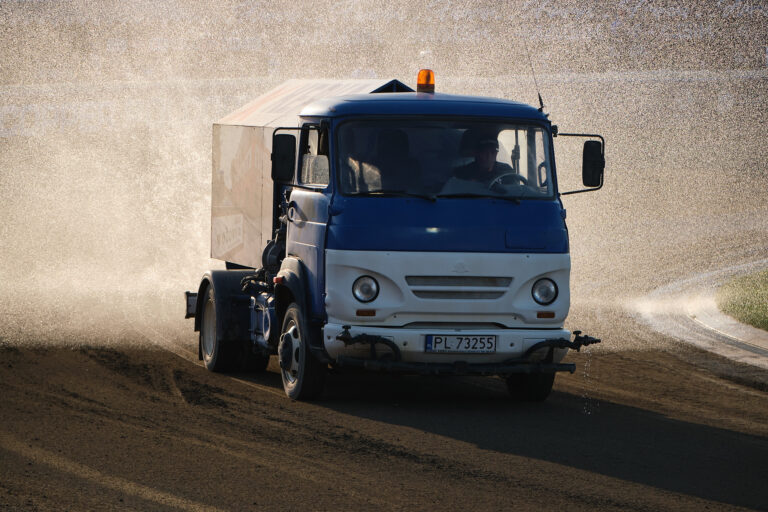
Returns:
<point x="535" y="83"/>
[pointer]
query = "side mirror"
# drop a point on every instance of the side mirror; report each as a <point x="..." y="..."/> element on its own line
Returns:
<point x="593" y="164"/>
<point x="283" y="157"/>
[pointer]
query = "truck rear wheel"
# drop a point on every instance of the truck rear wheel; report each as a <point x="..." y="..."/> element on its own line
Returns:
<point x="216" y="356"/>
<point x="530" y="387"/>
<point x="303" y="375"/>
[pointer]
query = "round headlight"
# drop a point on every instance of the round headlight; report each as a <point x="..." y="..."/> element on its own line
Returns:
<point x="365" y="289"/>
<point x="544" y="291"/>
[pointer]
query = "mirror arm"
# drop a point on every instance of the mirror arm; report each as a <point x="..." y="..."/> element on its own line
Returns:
<point x="583" y="190"/>
<point x="588" y="135"/>
<point x="305" y="187"/>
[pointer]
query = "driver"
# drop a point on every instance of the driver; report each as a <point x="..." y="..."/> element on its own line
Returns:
<point x="484" y="169"/>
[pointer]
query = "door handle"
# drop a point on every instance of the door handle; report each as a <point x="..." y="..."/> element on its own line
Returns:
<point x="291" y="211"/>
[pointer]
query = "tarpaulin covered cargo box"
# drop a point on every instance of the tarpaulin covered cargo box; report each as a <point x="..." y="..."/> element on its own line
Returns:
<point x="242" y="188"/>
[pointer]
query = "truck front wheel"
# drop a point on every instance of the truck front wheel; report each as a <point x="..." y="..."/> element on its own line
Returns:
<point x="303" y="375"/>
<point x="530" y="387"/>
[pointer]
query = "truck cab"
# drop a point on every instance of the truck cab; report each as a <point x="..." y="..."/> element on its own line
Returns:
<point x="411" y="232"/>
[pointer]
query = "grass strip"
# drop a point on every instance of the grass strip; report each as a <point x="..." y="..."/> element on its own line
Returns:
<point x="746" y="299"/>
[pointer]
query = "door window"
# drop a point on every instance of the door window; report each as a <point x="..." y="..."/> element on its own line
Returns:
<point x="314" y="156"/>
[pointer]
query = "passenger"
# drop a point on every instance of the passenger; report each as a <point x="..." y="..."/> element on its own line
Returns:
<point x="399" y="172"/>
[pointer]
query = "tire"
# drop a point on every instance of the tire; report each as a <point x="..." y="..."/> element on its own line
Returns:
<point x="530" y="387"/>
<point x="216" y="356"/>
<point x="303" y="375"/>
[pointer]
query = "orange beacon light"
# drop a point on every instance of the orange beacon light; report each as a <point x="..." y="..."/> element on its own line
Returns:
<point x="426" y="81"/>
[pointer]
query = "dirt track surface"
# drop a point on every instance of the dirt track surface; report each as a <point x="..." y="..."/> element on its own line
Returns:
<point x="142" y="428"/>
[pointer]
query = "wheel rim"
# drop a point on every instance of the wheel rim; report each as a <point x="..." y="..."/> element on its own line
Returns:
<point x="291" y="374"/>
<point x="209" y="328"/>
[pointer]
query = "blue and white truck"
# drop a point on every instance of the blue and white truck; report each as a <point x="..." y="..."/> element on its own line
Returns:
<point x="364" y="224"/>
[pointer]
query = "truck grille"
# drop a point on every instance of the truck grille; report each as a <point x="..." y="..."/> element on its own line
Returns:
<point x="458" y="287"/>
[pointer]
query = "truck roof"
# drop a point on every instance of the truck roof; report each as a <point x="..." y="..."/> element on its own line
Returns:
<point x="282" y="105"/>
<point x="405" y="103"/>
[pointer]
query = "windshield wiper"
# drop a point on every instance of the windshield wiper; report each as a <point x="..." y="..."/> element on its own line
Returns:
<point x="396" y="193"/>
<point x="515" y="200"/>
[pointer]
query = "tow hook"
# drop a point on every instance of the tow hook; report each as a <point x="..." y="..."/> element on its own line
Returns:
<point x="368" y="339"/>
<point x="344" y="335"/>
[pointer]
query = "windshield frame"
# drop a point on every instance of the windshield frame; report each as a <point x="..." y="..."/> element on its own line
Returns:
<point x="544" y="126"/>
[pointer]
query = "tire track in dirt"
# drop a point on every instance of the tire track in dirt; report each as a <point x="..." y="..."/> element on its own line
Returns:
<point x="319" y="469"/>
<point x="41" y="456"/>
<point x="231" y="447"/>
<point x="188" y="355"/>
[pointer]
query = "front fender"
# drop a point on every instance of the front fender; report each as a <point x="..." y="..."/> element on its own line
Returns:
<point x="293" y="288"/>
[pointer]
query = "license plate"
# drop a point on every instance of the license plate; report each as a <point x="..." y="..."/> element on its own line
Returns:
<point x="469" y="344"/>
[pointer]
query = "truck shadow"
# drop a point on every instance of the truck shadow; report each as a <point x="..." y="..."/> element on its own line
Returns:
<point x="611" y="439"/>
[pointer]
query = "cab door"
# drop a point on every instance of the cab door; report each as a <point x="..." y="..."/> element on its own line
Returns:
<point x="308" y="211"/>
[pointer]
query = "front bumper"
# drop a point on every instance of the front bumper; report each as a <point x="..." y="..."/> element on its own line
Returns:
<point x="403" y="350"/>
<point x="456" y="368"/>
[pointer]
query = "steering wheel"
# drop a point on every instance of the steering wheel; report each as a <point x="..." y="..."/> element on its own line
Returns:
<point x="498" y="179"/>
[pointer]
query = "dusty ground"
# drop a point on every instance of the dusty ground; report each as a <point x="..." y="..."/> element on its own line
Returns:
<point x="145" y="428"/>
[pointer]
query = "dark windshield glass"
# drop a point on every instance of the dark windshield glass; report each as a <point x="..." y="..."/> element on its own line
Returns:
<point x="443" y="158"/>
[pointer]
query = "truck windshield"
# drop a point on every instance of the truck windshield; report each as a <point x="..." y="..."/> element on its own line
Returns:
<point x="444" y="158"/>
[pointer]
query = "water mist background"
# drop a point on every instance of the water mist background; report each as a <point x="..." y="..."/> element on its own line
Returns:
<point x="106" y="114"/>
